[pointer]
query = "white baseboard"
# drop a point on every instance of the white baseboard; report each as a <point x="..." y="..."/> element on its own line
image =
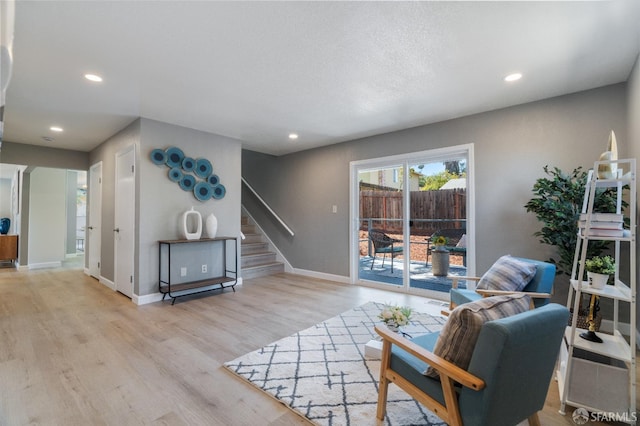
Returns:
<point x="321" y="275"/>
<point x="107" y="282"/>
<point x="44" y="265"/>
<point x="147" y="298"/>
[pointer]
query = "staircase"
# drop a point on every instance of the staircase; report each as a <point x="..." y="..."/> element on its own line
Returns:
<point x="256" y="259"/>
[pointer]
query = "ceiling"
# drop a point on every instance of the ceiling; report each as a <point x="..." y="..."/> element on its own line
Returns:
<point x="328" y="71"/>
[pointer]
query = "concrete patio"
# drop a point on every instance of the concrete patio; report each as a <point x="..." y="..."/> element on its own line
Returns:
<point x="420" y="273"/>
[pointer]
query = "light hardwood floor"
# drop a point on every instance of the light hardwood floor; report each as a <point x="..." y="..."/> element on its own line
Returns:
<point x="73" y="352"/>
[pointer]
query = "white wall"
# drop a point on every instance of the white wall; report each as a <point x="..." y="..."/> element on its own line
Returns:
<point x="47" y="218"/>
<point x="5" y="197"/>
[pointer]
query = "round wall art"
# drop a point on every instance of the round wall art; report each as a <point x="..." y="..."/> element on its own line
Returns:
<point x="194" y="175"/>
<point x="203" y="168"/>
<point x="174" y="157"/>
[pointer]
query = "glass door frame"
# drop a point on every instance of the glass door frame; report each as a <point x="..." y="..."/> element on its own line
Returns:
<point x="404" y="161"/>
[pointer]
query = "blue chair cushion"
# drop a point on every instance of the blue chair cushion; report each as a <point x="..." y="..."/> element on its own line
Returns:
<point x="411" y="368"/>
<point x="389" y="249"/>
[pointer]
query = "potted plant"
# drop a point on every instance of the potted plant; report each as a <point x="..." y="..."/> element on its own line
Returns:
<point x="599" y="268"/>
<point x="440" y="256"/>
<point x="557" y="203"/>
<point x="395" y="316"/>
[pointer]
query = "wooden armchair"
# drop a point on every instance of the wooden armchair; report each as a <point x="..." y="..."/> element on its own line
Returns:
<point x="509" y="352"/>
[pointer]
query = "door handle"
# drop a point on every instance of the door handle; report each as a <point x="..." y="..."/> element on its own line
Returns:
<point x="90" y="228"/>
<point x="116" y="230"/>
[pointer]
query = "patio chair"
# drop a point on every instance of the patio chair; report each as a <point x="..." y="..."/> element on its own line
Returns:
<point x="507" y="377"/>
<point x="382" y="243"/>
<point x="454" y="235"/>
<point x="538" y="287"/>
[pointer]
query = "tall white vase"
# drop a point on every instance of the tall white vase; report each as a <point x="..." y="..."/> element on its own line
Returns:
<point x="211" y="225"/>
<point x="191" y="225"/>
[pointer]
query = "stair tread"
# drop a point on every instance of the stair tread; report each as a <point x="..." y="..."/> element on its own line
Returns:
<point x="258" y="254"/>
<point x="262" y="265"/>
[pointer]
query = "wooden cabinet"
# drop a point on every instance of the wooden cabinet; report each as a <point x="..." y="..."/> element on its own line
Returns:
<point x="8" y="248"/>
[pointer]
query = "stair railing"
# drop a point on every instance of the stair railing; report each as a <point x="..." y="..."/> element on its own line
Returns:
<point x="264" y="203"/>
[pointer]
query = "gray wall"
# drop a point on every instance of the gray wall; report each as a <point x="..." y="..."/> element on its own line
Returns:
<point x="511" y="147"/>
<point x="160" y="202"/>
<point x="106" y="152"/>
<point x="35" y="155"/>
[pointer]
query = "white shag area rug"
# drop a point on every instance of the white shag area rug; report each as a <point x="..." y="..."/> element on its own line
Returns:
<point x="322" y="372"/>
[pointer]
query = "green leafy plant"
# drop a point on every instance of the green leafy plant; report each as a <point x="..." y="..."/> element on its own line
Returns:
<point x="600" y="265"/>
<point x="557" y="203"/>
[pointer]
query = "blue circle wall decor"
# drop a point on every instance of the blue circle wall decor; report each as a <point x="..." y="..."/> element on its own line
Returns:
<point x="187" y="183"/>
<point x="175" y="174"/>
<point x="203" y="183"/>
<point x="202" y="191"/>
<point x="203" y="168"/>
<point x="219" y="191"/>
<point x="159" y="157"/>
<point x="213" y="180"/>
<point x="188" y="164"/>
<point x="174" y="157"/>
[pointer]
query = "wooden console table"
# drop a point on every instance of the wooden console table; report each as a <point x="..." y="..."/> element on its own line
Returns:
<point x="223" y="281"/>
<point x="8" y="248"/>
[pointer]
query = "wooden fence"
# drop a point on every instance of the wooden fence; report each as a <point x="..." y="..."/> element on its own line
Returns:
<point x="429" y="210"/>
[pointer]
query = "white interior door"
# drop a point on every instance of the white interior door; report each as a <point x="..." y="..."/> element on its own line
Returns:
<point x="94" y="227"/>
<point x="124" y="225"/>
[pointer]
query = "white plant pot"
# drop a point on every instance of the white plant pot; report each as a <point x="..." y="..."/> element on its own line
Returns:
<point x="597" y="281"/>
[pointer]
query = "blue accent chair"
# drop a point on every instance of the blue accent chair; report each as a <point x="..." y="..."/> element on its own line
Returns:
<point x="506" y="382"/>
<point x="539" y="288"/>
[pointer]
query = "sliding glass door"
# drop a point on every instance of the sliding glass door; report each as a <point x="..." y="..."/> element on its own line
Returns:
<point x="412" y="220"/>
<point x="380" y="230"/>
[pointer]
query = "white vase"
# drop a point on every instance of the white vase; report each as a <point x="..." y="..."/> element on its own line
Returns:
<point x="191" y="225"/>
<point x="597" y="281"/>
<point x="211" y="225"/>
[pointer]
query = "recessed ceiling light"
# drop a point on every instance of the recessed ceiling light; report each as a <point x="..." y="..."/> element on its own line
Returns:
<point x="513" y="77"/>
<point x="55" y="129"/>
<point x="93" y="77"/>
<point x="293" y="136"/>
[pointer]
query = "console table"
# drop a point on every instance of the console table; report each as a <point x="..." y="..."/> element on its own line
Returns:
<point x="8" y="248"/>
<point x="166" y="287"/>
